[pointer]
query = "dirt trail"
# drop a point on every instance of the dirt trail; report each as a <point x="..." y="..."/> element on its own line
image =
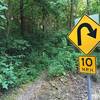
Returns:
<point x="71" y="87"/>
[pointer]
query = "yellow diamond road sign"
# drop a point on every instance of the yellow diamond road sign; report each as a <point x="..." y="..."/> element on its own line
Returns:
<point x="87" y="64"/>
<point x="85" y="35"/>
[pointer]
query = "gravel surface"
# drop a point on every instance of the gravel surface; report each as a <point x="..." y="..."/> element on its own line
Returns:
<point x="69" y="87"/>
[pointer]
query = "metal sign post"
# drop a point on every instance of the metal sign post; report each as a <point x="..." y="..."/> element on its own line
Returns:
<point x="87" y="65"/>
<point x="89" y="87"/>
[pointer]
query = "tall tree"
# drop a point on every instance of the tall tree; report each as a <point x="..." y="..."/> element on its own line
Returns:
<point x="8" y="18"/>
<point x="71" y="13"/>
<point x="22" y="17"/>
<point x="88" y="7"/>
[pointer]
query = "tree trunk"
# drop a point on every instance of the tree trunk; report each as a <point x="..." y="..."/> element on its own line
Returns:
<point x="22" y="17"/>
<point x="88" y="5"/>
<point x="8" y="23"/>
<point x="71" y="13"/>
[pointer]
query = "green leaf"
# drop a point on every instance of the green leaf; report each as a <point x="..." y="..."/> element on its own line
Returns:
<point x="3" y="17"/>
<point x="5" y="85"/>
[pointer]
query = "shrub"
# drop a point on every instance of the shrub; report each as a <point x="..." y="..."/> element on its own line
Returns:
<point x="7" y="76"/>
<point x="18" y="47"/>
<point x="68" y="59"/>
<point x="55" y="69"/>
<point x="20" y="63"/>
<point x="12" y="59"/>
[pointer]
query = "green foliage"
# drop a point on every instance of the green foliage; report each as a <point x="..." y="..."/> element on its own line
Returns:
<point x="97" y="54"/>
<point x="56" y="69"/>
<point x="19" y="44"/>
<point x="95" y="6"/>
<point x="63" y="61"/>
<point x="7" y="75"/>
<point x="3" y="8"/>
<point x="11" y="59"/>
<point x="54" y="54"/>
<point x="19" y="47"/>
<point x="26" y="74"/>
<point x="68" y="59"/>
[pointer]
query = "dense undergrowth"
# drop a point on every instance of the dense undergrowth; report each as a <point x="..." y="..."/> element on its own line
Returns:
<point x="22" y="60"/>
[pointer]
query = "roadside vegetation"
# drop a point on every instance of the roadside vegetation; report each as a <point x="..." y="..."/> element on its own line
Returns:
<point x="33" y="38"/>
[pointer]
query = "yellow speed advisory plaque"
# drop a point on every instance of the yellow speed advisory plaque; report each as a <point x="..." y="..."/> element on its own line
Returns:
<point x="87" y="64"/>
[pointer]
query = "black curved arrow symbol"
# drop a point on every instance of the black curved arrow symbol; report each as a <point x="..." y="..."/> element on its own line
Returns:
<point x="91" y="34"/>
